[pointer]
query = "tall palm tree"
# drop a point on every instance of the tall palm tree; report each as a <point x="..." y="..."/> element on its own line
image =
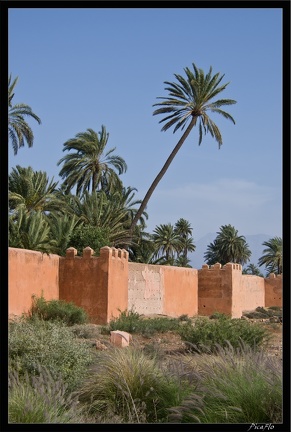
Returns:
<point x="272" y="257"/>
<point x="233" y="248"/>
<point x="18" y="129"/>
<point x="189" y="102"/>
<point x="183" y="228"/>
<point x="167" y="241"/>
<point x="90" y="167"/>
<point x="228" y="247"/>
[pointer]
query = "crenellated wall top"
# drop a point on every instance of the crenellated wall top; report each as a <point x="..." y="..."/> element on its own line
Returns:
<point x="88" y="253"/>
<point x="218" y="266"/>
<point x="113" y="252"/>
<point x="274" y="276"/>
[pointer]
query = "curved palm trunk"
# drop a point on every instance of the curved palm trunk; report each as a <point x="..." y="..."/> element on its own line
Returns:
<point x="161" y="174"/>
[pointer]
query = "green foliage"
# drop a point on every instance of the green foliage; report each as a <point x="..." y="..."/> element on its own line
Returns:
<point x="30" y="231"/>
<point x="188" y="103"/>
<point x="88" y="235"/>
<point x="130" y="384"/>
<point x="264" y="313"/>
<point x="218" y="315"/>
<point x="62" y="228"/>
<point x="55" y="377"/>
<point x="86" y="331"/>
<point x="57" y="310"/>
<point x="227" y="247"/>
<point x="32" y="190"/>
<point x="272" y="257"/>
<point x="90" y="166"/>
<point x="41" y="399"/>
<point x="234" y="386"/>
<point x="252" y="269"/>
<point x="51" y="344"/>
<point x="132" y="322"/>
<point x="128" y="321"/>
<point x="205" y="334"/>
<point x="19" y="130"/>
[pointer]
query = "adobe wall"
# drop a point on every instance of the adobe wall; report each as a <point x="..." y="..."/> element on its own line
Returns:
<point x="166" y="290"/>
<point x="145" y="288"/>
<point x="237" y="294"/>
<point x="181" y="291"/>
<point x="248" y="293"/>
<point x="226" y="290"/>
<point x="30" y="273"/>
<point x="215" y="289"/>
<point x="273" y="290"/>
<point x="106" y="285"/>
<point x="97" y="284"/>
<point x="117" y="284"/>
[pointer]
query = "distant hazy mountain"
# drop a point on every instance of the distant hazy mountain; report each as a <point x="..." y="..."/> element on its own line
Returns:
<point x="254" y="242"/>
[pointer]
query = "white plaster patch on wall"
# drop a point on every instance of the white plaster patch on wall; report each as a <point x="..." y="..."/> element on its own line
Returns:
<point x="152" y="283"/>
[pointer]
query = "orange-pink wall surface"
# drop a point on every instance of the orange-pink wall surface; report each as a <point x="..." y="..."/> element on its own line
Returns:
<point x="97" y="284"/>
<point x="273" y="290"/>
<point x="226" y="290"/>
<point x="253" y="288"/>
<point x="117" y="286"/>
<point x="215" y="290"/>
<point x="30" y="273"/>
<point x="166" y="290"/>
<point x="81" y="283"/>
<point x="180" y="291"/>
<point x="107" y="285"/>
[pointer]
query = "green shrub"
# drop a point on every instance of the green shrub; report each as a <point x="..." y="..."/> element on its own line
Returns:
<point x="96" y="237"/>
<point x="58" y="310"/>
<point x="217" y="315"/>
<point x="204" y="334"/>
<point x="127" y="321"/>
<point x="265" y="313"/>
<point x="86" y="331"/>
<point x="50" y="344"/>
<point x="132" y="322"/>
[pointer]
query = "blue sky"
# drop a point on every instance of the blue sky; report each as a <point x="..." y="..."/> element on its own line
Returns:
<point x="82" y="68"/>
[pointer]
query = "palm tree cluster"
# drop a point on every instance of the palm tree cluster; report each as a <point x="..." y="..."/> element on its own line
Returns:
<point x="92" y="207"/>
<point x="167" y="245"/>
<point x="45" y="218"/>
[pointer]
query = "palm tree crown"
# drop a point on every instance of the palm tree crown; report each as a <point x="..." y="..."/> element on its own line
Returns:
<point x="33" y="191"/>
<point x="272" y="255"/>
<point x="90" y="166"/>
<point x="167" y="241"/>
<point x="18" y="129"/>
<point x="228" y="247"/>
<point x="183" y="228"/>
<point x="190" y="99"/>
